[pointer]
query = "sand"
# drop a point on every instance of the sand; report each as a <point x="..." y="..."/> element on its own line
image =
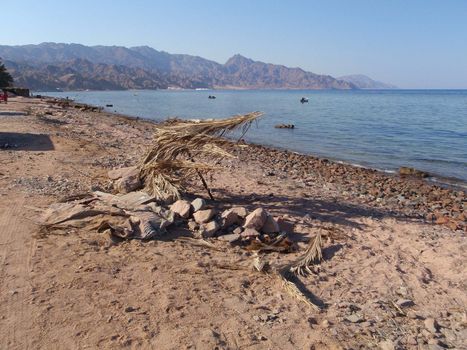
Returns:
<point x="389" y="279"/>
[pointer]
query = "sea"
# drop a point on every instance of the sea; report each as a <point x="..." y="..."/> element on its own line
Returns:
<point x="379" y="129"/>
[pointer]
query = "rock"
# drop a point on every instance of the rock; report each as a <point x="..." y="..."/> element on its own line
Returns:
<point x="284" y="225"/>
<point x="240" y="211"/>
<point x="250" y="232"/>
<point x="270" y="226"/>
<point x="182" y="208"/>
<point x="130" y="309"/>
<point x="192" y="225"/>
<point x="116" y="174"/>
<point x="256" y="219"/>
<point x="209" y="229"/>
<point x="402" y="303"/>
<point x="198" y="204"/>
<point x="230" y="218"/>
<point x="412" y="172"/>
<point x="238" y="230"/>
<point x="203" y="216"/>
<point x="386" y="345"/>
<point x="232" y="237"/>
<point x="431" y="325"/>
<point x="129" y="181"/>
<point x="354" y="318"/>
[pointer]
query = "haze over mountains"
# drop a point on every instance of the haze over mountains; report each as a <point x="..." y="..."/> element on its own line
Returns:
<point x="50" y="66"/>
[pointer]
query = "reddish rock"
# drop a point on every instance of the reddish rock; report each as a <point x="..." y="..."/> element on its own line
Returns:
<point x="182" y="208"/>
<point x="204" y="216"/>
<point x="209" y="229"/>
<point x="256" y="219"/>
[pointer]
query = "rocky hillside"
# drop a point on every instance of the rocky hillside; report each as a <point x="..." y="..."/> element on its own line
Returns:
<point x="363" y="82"/>
<point x="74" y="66"/>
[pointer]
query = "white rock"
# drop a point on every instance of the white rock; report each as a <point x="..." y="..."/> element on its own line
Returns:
<point x="198" y="204"/>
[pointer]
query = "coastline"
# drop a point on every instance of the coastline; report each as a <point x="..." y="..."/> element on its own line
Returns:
<point x="388" y="241"/>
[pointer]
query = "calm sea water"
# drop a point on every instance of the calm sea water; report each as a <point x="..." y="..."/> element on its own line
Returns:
<point x="382" y="129"/>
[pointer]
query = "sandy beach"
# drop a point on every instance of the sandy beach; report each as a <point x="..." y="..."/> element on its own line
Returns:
<point x="393" y="274"/>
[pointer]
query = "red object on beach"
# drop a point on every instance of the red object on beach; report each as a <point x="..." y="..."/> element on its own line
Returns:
<point x="4" y="97"/>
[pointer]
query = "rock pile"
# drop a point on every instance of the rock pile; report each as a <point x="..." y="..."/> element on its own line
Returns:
<point x="231" y="225"/>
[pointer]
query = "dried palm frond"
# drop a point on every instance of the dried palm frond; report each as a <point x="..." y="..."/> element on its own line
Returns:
<point x="294" y="291"/>
<point x="312" y="255"/>
<point x="166" y="167"/>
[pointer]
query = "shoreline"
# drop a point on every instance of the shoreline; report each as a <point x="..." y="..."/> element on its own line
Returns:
<point x="408" y="195"/>
<point x="432" y="178"/>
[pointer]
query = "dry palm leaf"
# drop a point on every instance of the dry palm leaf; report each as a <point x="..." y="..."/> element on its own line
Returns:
<point x="170" y="160"/>
<point x="312" y="255"/>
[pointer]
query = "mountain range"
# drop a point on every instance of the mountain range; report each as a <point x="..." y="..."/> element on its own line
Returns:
<point x="50" y="66"/>
<point x="364" y="82"/>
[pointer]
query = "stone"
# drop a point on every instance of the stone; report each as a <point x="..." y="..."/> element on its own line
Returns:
<point x="116" y="174"/>
<point x="182" y="208"/>
<point x="203" y="216"/>
<point x="270" y="226"/>
<point x="129" y="181"/>
<point x="232" y="237"/>
<point x="230" y="218"/>
<point x="250" y="232"/>
<point x="209" y="229"/>
<point x="402" y="303"/>
<point x="256" y="219"/>
<point x="284" y="225"/>
<point x="240" y="211"/>
<point x="354" y="318"/>
<point x="386" y="345"/>
<point x="431" y="325"/>
<point x="192" y="225"/>
<point x="238" y="230"/>
<point x="198" y="204"/>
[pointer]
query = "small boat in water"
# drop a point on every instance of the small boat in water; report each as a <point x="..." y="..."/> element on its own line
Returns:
<point x="304" y="100"/>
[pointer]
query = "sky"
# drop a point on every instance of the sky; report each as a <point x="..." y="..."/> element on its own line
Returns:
<point x="409" y="43"/>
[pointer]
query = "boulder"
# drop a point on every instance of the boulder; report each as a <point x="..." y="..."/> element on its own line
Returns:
<point x="198" y="204"/>
<point x="238" y="230"/>
<point x="203" y="216"/>
<point x="270" y="226"/>
<point x="182" y="208"/>
<point x="256" y="219"/>
<point x="209" y="229"/>
<point x="406" y="171"/>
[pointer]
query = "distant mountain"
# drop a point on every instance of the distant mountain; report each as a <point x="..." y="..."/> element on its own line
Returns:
<point x="363" y="82"/>
<point x="74" y="66"/>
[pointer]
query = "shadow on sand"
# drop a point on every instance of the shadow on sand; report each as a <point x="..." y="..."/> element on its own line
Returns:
<point x="13" y="141"/>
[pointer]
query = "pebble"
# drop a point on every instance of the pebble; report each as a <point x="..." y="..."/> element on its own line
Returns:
<point x="354" y="318"/>
<point x="402" y="303"/>
<point x="431" y="325"/>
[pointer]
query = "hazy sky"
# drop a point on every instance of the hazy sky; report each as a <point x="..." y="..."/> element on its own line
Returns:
<point x="410" y="43"/>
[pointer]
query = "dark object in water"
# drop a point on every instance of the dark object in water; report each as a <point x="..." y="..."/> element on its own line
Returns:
<point x="109" y="105"/>
<point x="212" y="97"/>
<point x="285" y="126"/>
<point x="405" y="171"/>
<point x="304" y="100"/>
